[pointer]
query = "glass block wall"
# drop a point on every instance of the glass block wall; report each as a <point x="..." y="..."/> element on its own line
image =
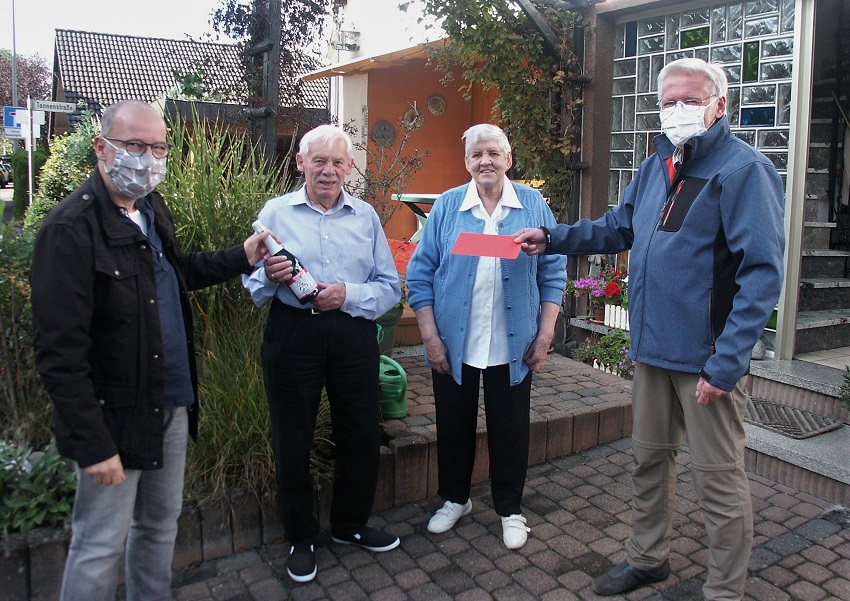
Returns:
<point x="753" y="42"/>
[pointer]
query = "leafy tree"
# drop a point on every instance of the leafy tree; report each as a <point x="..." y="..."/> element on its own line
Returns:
<point x="498" y="46"/>
<point x="387" y="173"/>
<point x="33" y="78"/>
<point x="301" y="25"/>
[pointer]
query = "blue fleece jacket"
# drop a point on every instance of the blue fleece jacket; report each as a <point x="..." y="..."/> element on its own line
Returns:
<point x="437" y="278"/>
<point x="706" y="261"/>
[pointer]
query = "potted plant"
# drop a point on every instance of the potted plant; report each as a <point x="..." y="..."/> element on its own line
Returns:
<point x="606" y="286"/>
<point x="612" y="353"/>
<point x="401" y="251"/>
<point x="609" y="353"/>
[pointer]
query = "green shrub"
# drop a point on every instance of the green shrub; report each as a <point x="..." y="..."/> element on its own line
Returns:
<point x="20" y="165"/>
<point x="216" y="186"/>
<point x="611" y="351"/>
<point x="25" y="408"/>
<point x="72" y="160"/>
<point x="586" y="352"/>
<point x="36" y="489"/>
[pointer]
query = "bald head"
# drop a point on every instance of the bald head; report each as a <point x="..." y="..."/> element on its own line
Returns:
<point x="126" y="110"/>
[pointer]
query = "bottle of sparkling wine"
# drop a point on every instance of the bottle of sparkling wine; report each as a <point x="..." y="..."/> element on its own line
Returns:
<point x="300" y="281"/>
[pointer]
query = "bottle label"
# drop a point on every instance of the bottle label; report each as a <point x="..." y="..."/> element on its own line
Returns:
<point x="302" y="284"/>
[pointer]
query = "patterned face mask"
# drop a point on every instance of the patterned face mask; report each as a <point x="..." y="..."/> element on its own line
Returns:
<point x="135" y="177"/>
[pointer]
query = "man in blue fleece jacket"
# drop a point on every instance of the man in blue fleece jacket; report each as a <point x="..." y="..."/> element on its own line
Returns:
<point x="703" y="219"/>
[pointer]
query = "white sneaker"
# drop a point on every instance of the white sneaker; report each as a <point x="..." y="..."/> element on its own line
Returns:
<point x="514" y="531"/>
<point x="448" y="515"/>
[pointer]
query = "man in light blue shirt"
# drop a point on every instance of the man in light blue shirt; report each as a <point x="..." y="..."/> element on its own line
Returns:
<point x="331" y="342"/>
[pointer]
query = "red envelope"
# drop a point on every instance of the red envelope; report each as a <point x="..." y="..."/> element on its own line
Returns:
<point x="486" y="245"/>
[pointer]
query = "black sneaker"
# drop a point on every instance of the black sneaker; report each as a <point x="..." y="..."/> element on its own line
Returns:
<point x="368" y="538"/>
<point x="301" y="565"/>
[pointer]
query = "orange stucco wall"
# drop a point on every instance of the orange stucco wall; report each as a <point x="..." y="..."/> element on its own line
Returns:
<point x="392" y="91"/>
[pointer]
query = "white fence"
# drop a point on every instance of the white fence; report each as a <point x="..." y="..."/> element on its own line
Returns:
<point x="616" y="317"/>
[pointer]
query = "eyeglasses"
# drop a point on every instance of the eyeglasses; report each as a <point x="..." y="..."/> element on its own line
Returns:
<point x="136" y="148"/>
<point x="689" y="105"/>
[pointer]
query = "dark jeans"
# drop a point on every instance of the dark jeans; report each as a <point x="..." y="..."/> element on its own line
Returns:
<point x="303" y="352"/>
<point x="507" y="413"/>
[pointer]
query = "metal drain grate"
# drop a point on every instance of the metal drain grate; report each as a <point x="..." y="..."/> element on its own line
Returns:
<point x="788" y="421"/>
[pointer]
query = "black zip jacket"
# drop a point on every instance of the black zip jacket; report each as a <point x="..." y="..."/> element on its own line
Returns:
<point x="96" y="325"/>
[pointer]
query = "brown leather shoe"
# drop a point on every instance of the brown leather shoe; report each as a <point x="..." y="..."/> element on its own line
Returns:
<point x="625" y="577"/>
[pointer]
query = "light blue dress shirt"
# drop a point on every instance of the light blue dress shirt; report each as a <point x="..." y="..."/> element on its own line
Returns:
<point x="345" y="244"/>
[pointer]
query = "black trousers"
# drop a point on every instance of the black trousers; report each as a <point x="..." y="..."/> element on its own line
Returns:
<point x="303" y="352"/>
<point x="507" y="414"/>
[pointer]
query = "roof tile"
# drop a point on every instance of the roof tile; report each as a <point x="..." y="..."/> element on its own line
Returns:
<point x="101" y="68"/>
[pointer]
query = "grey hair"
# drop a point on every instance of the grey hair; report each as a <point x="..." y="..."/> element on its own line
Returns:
<point x="113" y="110"/>
<point x="328" y="134"/>
<point x="691" y="66"/>
<point x="485" y="131"/>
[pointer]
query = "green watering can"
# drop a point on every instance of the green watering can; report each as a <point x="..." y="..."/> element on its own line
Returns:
<point x="393" y="385"/>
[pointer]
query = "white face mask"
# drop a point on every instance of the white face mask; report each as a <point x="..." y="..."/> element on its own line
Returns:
<point x="135" y="177"/>
<point x="680" y="125"/>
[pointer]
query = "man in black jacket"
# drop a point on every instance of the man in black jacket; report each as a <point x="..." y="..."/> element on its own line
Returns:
<point x="113" y="344"/>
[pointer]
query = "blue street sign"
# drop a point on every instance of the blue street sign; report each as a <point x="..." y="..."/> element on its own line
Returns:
<point x="12" y="122"/>
<point x="9" y="119"/>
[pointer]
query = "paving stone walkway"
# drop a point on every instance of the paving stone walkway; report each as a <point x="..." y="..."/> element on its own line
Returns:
<point x="578" y="511"/>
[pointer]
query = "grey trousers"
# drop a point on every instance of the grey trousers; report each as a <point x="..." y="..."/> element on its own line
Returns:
<point x="665" y="409"/>
<point x="136" y="519"/>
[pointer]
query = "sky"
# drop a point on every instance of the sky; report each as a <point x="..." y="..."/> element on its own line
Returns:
<point x="37" y="20"/>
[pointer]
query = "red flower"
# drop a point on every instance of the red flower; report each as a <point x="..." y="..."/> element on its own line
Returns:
<point x="612" y="289"/>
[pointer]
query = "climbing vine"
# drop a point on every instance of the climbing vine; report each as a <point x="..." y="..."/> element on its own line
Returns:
<point x="497" y="46"/>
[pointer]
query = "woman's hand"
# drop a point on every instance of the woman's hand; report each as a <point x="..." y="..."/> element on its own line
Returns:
<point x="436" y="351"/>
<point x="434" y="347"/>
<point x="536" y="355"/>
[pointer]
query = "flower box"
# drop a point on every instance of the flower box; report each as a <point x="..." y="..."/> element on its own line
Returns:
<point x="607" y="286"/>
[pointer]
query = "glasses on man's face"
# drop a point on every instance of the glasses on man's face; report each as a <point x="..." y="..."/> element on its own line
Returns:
<point x="689" y="105"/>
<point x="136" y="148"/>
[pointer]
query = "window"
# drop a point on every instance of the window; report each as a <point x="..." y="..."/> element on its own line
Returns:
<point x="752" y="40"/>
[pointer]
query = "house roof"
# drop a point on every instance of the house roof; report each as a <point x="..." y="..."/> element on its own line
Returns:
<point x="375" y="61"/>
<point x="101" y="68"/>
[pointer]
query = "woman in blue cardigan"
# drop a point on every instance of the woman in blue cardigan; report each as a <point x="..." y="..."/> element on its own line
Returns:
<point x="484" y="317"/>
